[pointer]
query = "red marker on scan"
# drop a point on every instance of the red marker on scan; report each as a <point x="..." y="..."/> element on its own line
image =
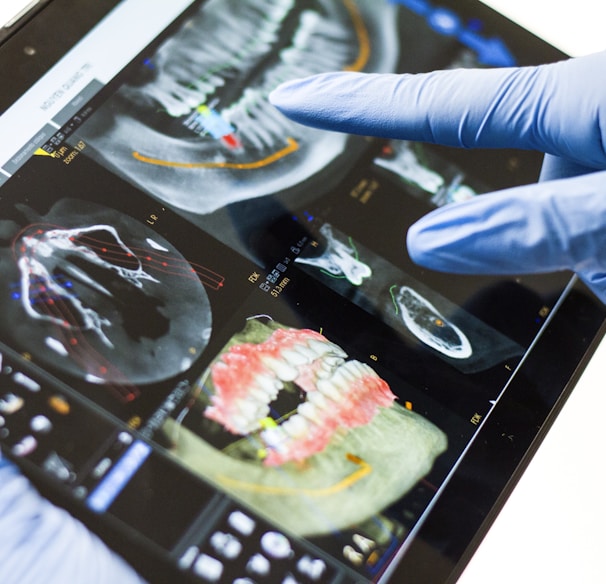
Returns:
<point x="217" y="127"/>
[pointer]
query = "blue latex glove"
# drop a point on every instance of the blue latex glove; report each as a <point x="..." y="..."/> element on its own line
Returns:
<point x="559" y="109"/>
<point x="42" y="544"/>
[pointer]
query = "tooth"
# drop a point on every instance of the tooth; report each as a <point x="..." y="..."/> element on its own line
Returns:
<point x="248" y="117"/>
<point x="319" y="400"/>
<point x="343" y="379"/>
<point x="295" y="426"/>
<point x="216" y="80"/>
<point x="309" y="21"/>
<point x="165" y="94"/>
<point x="283" y="370"/>
<point x="364" y="544"/>
<point x="363" y="370"/>
<point x="294" y="357"/>
<point x="280" y="123"/>
<point x="276" y="76"/>
<point x="277" y="122"/>
<point x="191" y="98"/>
<point x="340" y="382"/>
<point x="269" y="36"/>
<point x="241" y="425"/>
<point x="306" y="352"/>
<point x="329" y="29"/>
<point x="350" y="554"/>
<point x="350" y="369"/>
<point x="318" y="347"/>
<point x="308" y="410"/>
<point x="329" y="390"/>
<point x="214" y="52"/>
<point x="262" y="413"/>
<point x="334" y="361"/>
<point x="203" y="88"/>
<point x="253" y="411"/>
<point x="258" y="393"/>
<point x="337" y="52"/>
<point x="182" y="95"/>
<point x="250" y="409"/>
<point x="337" y="351"/>
<point x="318" y="58"/>
<point x="227" y="24"/>
<point x="270" y="385"/>
<point x="245" y="126"/>
<point x="281" y="9"/>
<point x="325" y="347"/>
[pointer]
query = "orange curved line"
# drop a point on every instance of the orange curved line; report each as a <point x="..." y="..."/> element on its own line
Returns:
<point x="292" y="146"/>
<point x="363" y="37"/>
<point x="363" y="470"/>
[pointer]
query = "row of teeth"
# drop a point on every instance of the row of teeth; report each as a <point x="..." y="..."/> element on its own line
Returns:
<point x="319" y="404"/>
<point x="255" y="407"/>
<point x="319" y="45"/>
<point x="205" y="49"/>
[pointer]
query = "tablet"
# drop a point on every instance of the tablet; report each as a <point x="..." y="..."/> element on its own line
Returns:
<point x="215" y="350"/>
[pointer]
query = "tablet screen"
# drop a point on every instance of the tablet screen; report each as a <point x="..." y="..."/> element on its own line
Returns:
<point x="213" y="338"/>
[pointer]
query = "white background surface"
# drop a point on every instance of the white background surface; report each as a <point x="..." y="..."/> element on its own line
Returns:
<point x="552" y="530"/>
<point x="574" y="26"/>
<point x="10" y="8"/>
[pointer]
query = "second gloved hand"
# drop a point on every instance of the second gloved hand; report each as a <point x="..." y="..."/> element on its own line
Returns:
<point x="559" y="109"/>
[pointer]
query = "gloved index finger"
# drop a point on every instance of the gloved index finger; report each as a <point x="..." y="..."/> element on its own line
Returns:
<point x="552" y="108"/>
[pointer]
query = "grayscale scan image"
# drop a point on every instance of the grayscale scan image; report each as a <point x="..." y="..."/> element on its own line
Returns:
<point x="193" y="126"/>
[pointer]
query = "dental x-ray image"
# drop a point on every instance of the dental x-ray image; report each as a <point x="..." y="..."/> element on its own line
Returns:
<point x="193" y="126"/>
<point x="437" y="181"/>
<point x="406" y="305"/>
<point x="94" y="293"/>
<point x="284" y="421"/>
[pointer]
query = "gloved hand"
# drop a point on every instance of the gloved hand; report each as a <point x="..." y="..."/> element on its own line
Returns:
<point x="42" y="544"/>
<point x="559" y="109"/>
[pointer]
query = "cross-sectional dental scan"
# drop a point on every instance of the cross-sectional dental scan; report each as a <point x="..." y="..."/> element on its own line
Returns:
<point x="432" y="178"/>
<point x="101" y="296"/>
<point x="212" y="337"/>
<point x="408" y="306"/>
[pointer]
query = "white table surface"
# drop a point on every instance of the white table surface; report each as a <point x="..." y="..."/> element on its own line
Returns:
<point x="552" y="529"/>
<point x="10" y="8"/>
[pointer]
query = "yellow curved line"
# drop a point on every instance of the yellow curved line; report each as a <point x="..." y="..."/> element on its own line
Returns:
<point x="363" y="38"/>
<point x="343" y="484"/>
<point x="292" y="146"/>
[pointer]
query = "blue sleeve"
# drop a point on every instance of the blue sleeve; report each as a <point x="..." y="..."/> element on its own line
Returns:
<point x="41" y="543"/>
